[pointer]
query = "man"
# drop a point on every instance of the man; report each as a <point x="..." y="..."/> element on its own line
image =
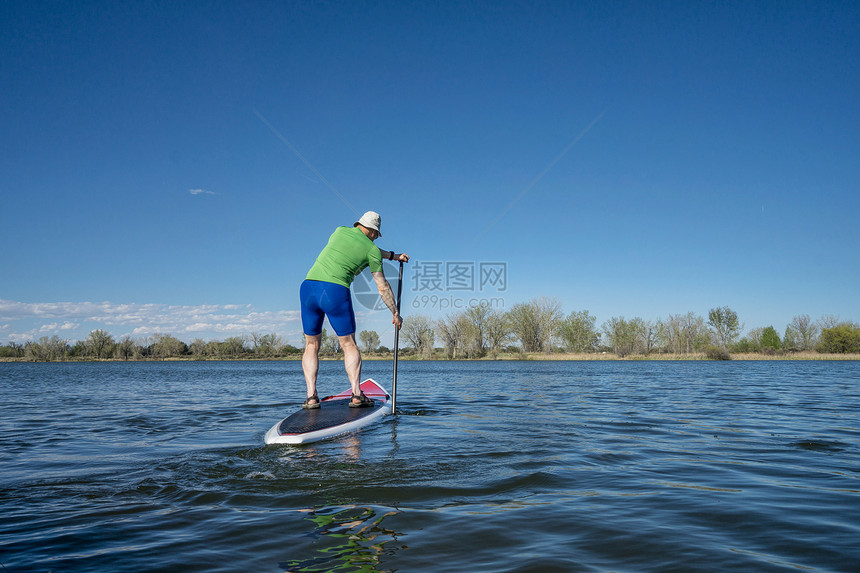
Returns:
<point x="325" y="293"/>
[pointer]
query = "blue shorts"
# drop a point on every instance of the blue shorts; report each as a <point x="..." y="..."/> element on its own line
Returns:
<point x="321" y="299"/>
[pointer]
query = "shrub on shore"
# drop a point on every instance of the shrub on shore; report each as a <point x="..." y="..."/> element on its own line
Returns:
<point x="717" y="353"/>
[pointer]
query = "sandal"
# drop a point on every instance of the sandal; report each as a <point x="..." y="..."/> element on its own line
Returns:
<point x="308" y="405"/>
<point x="363" y="401"/>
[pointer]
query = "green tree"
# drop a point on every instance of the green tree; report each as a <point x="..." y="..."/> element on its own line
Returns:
<point x="99" y="344"/>
<point x="166" y="346"/>
<point x="197" y="348"/>
<point x="369" y="340"/>
<point x="233" y="347"/>
<point x="578" y="332"/>
<point x="12" y="350"/>
<point x="79" y="350"/>
<point x="842" y="338"/>
<point x="789" y="339"/>
<point x="329" y="343"/>
<point x="726" y="326"/>
<point x="745" y="345"/>
<point x="770" y="339"/>
<point x="289" y="349"/>
<point x="215" y="348"/>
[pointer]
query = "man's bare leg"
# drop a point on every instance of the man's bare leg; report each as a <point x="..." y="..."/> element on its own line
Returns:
<point x="311" y="362"/>
<point x="351" y="361"/>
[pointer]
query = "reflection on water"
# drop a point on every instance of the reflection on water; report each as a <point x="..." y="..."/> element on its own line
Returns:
<point x="348" y="446"/>
<point x="349" y="539"/>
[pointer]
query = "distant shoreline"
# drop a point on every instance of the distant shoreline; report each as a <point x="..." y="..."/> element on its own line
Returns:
<point x="501" y="357"/>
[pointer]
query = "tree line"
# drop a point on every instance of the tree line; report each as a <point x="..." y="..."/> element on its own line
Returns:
<point x="536" y="326"/>
<point x="540" y="326"/>
<point x="101" y="345"/>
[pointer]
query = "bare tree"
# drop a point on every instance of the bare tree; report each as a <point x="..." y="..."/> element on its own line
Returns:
<point x="266" y="345"/>
<point x="482" y="329"/>
<point x="58" y="348"/>
<point x="650" y="336"/>
<point x="806" y="331"/>
<point x="418" y="331"/>
<point x="450" y="330"/>
<point x="695" y="332"/>
<point x="685" y="333"/>
<point x="256" y="340"/>
<point x="34" y="351"/>
<point x="755" y="336"/>
<point x="477" y="318"/>
<point x="672" y="334"/>
<point x="498" y="332"/>
<point x="46" y="349"/>
<point x="126" y="348"/>
<point x="535" y="323"/>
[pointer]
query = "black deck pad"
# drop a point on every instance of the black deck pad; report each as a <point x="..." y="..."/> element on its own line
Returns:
<point x="331" y="413"/>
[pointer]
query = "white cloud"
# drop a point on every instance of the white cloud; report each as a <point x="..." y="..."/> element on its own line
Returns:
<point x="77" y="319"/>
<point x="201" y="192"/>
<point x="55" y="327"/>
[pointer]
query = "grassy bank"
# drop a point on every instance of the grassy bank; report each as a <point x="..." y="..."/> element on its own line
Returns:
<point x="555" y="356"/>
<point x="692" y="356"/>
<point x="591" y="356"/>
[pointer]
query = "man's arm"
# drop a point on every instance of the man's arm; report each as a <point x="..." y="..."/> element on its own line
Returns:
<point x="392" y="256"/>
<point x="387" y="297"/>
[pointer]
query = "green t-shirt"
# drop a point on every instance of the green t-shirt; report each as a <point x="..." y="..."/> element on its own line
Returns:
<point x="347" y="253"/>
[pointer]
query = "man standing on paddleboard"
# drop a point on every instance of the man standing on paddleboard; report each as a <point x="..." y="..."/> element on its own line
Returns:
<point x="325" y="293"/>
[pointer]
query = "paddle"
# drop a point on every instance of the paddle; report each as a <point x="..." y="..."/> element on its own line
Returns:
<point x="396" y="340"/>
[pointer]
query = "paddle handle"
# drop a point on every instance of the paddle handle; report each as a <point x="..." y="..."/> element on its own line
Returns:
<point x="396" y="340"/>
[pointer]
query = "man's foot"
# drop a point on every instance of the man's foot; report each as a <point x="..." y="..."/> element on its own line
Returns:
<point x="360" y="401"/>
<point x="312" y="403"/>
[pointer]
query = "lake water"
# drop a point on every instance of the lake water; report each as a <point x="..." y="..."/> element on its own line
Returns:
<point x="488" y="466"/>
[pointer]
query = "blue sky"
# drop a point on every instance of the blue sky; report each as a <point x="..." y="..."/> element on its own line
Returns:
<point x="176" y="168"/>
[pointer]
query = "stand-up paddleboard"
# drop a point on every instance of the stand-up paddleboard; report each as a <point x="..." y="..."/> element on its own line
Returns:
<point x="333" y="417"/>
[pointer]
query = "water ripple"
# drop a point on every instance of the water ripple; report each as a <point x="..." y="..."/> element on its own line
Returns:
<point x="566" y="467"/>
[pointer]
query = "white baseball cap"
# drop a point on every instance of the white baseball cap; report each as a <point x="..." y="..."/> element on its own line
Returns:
<point x="371" y="220"/>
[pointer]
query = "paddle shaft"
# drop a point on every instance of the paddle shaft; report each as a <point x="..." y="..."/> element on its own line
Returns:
<point x="396" y="340"/>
